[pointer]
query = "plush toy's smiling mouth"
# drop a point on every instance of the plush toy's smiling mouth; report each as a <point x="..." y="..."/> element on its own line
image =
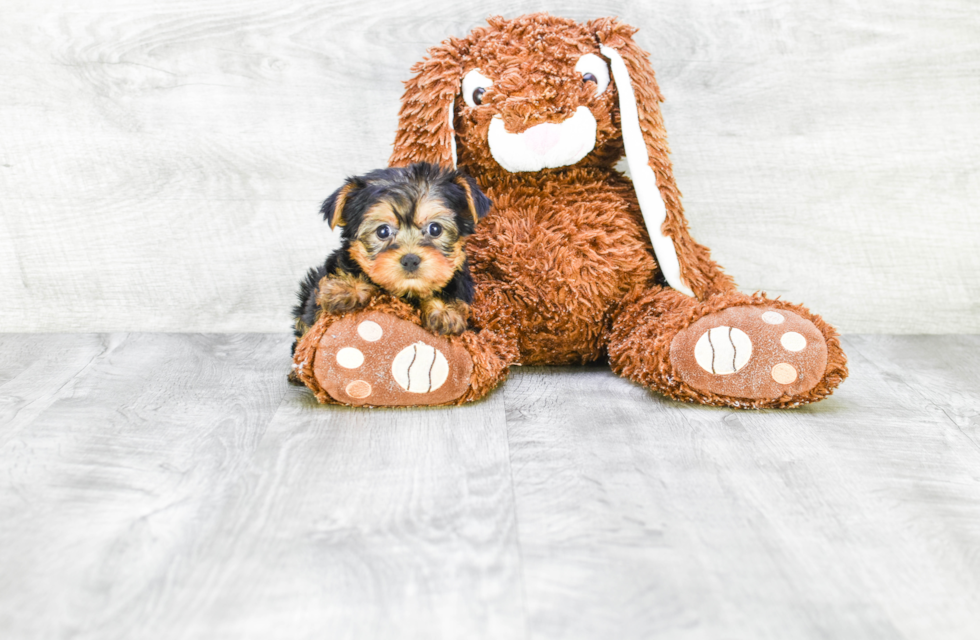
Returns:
<point x="543" y="146"/>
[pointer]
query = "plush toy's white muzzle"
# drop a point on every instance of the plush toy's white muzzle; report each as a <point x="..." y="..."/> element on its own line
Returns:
<point x="543" y="146"/>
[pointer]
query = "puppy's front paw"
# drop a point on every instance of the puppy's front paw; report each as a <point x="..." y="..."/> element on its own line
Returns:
<point x="445" y="318"/>
<point x="339" y="294"/>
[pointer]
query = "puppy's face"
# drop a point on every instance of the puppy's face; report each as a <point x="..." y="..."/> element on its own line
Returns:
<point x="409" y="246"/>
<point x="405" y="226"/>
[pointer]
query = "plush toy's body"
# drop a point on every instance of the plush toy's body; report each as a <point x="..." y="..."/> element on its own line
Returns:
<point x="572" y="254"/>
<point x="575" y="262"/>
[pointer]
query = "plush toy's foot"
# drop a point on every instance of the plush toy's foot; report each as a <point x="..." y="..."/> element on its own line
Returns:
<point x="379" y="360"/>
<point x="730" y="350"/>
<point x="759" y="353"/>
<point x="381" y="357"/>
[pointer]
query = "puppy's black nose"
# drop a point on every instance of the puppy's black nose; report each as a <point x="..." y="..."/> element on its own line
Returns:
<point x="410" y="262"/>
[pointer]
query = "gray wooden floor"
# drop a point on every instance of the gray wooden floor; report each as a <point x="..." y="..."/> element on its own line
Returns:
<point x="174" y="486"/>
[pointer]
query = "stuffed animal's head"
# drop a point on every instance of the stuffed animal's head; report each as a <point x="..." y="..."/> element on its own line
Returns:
<point x="528" y="94"/>
<point x="541" y="93"/>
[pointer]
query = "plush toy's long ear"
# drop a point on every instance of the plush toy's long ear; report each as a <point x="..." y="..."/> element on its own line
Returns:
<point x="425" y="120"/>
<point x="333" y="207"/>
<point x="686" y="265"/>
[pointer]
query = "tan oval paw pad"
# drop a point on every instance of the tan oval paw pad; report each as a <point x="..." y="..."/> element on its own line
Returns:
<point x="784" y="373"/>
<point x="358" y="389"/>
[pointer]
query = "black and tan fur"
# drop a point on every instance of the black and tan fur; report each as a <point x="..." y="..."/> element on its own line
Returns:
<point x="403" y="232"/>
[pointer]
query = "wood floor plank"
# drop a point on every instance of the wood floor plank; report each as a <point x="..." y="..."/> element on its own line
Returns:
<point x="38" y="369"/>
<point x="942" y="371"/>
<point x="353" y="523"/>
<point x="121" y="472"/>
<point x="857" y="517"/>
<point x="20" y="351"/>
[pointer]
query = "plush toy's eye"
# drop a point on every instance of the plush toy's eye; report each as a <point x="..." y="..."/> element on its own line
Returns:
<point x="594" y="69"/>
<point x="475" y="84"/>
<point x="383" y="231"/>
<point x="434" y="230"/>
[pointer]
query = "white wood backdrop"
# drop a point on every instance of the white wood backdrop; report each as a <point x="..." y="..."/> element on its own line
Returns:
<point x="161" y="164"/>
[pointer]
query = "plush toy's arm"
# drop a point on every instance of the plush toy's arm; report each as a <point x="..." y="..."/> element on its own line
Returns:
<point x="686" y="265"/>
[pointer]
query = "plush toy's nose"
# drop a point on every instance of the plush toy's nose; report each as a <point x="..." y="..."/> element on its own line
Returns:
<point x="534" y="105"/>
<point x="410" y="262"/>
<point x="523" y="118"/>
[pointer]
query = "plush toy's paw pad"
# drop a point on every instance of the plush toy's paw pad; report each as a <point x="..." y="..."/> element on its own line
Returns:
<point x="379" y="360"/>
<point x="750" y="352"/>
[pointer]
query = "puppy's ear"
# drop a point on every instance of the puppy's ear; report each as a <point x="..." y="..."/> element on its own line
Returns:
<point x="333" y="207"/>
<point x="684" y="263"/>
<point x="477" y="202"/>
<point x="425" y="120"/>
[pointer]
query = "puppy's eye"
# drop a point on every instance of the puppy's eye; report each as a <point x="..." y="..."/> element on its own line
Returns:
<point x="383" y="231"/>
<point x="434" y="230"/>
<point x="594" y="69"/>
<point x="475" y="84"/>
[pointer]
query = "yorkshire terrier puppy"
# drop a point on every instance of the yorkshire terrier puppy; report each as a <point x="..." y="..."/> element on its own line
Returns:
<point x="403" y="232"/>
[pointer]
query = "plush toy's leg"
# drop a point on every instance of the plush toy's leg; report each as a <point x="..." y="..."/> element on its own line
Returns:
<point x="730" y="350"/>
<point x="380" y="356"/>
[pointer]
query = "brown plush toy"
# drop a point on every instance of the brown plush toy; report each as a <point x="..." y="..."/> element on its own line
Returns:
<point x="575" y="263"/>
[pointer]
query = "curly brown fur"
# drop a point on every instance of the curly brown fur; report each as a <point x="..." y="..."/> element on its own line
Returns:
<point x="403" y="232"/>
